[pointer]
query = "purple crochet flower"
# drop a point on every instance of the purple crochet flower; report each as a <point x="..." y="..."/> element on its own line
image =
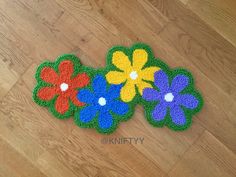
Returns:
<point x="169" y="96"/>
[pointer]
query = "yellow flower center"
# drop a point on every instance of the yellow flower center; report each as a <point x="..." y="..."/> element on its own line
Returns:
<point x="133" y="75"/>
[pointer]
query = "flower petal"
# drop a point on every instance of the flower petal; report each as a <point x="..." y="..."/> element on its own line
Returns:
<point x="115" y="77"/>
<point x="105" y="120"/>
<point x="179" y="83"/>
<point x="114" y="91"/>
<point x="62" y="104"/>
<point x="121" y="60"/>
<point x="49" y="75"/>
<point x="74" y="98"/>
<point x="161" y="80"/>
<point x="128" y="91"/>
<point x="140" y="57"/>
<point x="46" y="93"/>
<point x="99" y="85"/>
<point x="86" y="96"/>
<point x="87" y="114"/>
<point x="81" y="80"/>
<point x="187" y="100"/>
<point x="142" y="85"/>
<point x="148" y="73"/>
<point x="177" y="115"/>
<point x="66" y="69"/>
<point x="150" y="94"/>
<point x="119" y="107"/>
<point x="159" y="112"/>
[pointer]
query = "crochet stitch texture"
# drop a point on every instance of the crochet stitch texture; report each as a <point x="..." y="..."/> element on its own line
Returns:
<point x="102" y="98"/>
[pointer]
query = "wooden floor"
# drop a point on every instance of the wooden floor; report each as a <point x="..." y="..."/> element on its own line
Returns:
<point x="199" y="35"/>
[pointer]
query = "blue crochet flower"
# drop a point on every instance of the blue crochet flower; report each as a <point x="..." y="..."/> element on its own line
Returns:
<point x="103" y="105"/>
<point x="170" y="98"/>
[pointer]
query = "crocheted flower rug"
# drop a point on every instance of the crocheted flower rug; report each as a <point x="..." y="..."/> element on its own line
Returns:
<point x="102" y="98"/>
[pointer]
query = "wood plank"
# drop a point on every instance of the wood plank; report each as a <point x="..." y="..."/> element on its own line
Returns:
<point x="6" y="172"/>
<point x="162" y="145"/>
<point x="53" y="167"/>
<point x="78" y="153"/>
<point x="11" y="55"/>
<point x="15" y="163"/>
<point x="219" y="14"/>
<point x="214" y="113"/>
<point x="33" y="151"/>
<point x="7" y="78"/>
<point x="28" y="32"/>
<point x="201" y="57"/>
<point x="13" y="61"/>
<point x="30" y="149"/>
<point x="143" y="22"/>
<point x="207" y="157"/>
<point x="53" y="35"/>
<point x="90" y="14"/>
<point x="17" y="138"/>
<point x="184" y="1"/>
<point x="179" y="49"/>
<point x="145" y="34"/>
<point x="198" y="30"/>
<point x="153" y="12"/>
<point x="119" y="154"/>
<point x="14" y="49"/>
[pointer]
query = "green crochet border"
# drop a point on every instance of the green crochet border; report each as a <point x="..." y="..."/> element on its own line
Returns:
<point x="148" y="106"/>
<point x="103" y="71"/>
<point x="116" y="118"/>
<point x="41" y="83"/>
<point x="188" y="112"/>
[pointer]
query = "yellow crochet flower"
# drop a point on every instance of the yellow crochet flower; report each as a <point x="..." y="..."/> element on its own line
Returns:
<point x="132" y="73"/>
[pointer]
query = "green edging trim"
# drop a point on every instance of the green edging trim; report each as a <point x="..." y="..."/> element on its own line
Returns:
<point x="148" y="106"/>
<point x="41" y="83"/>
<point x="94" y="123"/>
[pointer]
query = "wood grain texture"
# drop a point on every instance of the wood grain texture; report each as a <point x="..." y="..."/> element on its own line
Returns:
<point x="184" y="1"/>
<point x="185" y="33"/>
<point x="219" y="14"/>
<point x="10" y="160"/>
<point x="207" y="157"/>
<point x="190" y="49"/>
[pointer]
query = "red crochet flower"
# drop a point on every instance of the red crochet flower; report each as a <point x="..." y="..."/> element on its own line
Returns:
<point x="63" y="85"/>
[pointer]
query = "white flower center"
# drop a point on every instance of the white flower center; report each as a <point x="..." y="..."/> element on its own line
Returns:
<point x="169" y="97"/>
<point x="133" y="75"/>
<point x="64" y="87"/>
<point x="102" y="101"/>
